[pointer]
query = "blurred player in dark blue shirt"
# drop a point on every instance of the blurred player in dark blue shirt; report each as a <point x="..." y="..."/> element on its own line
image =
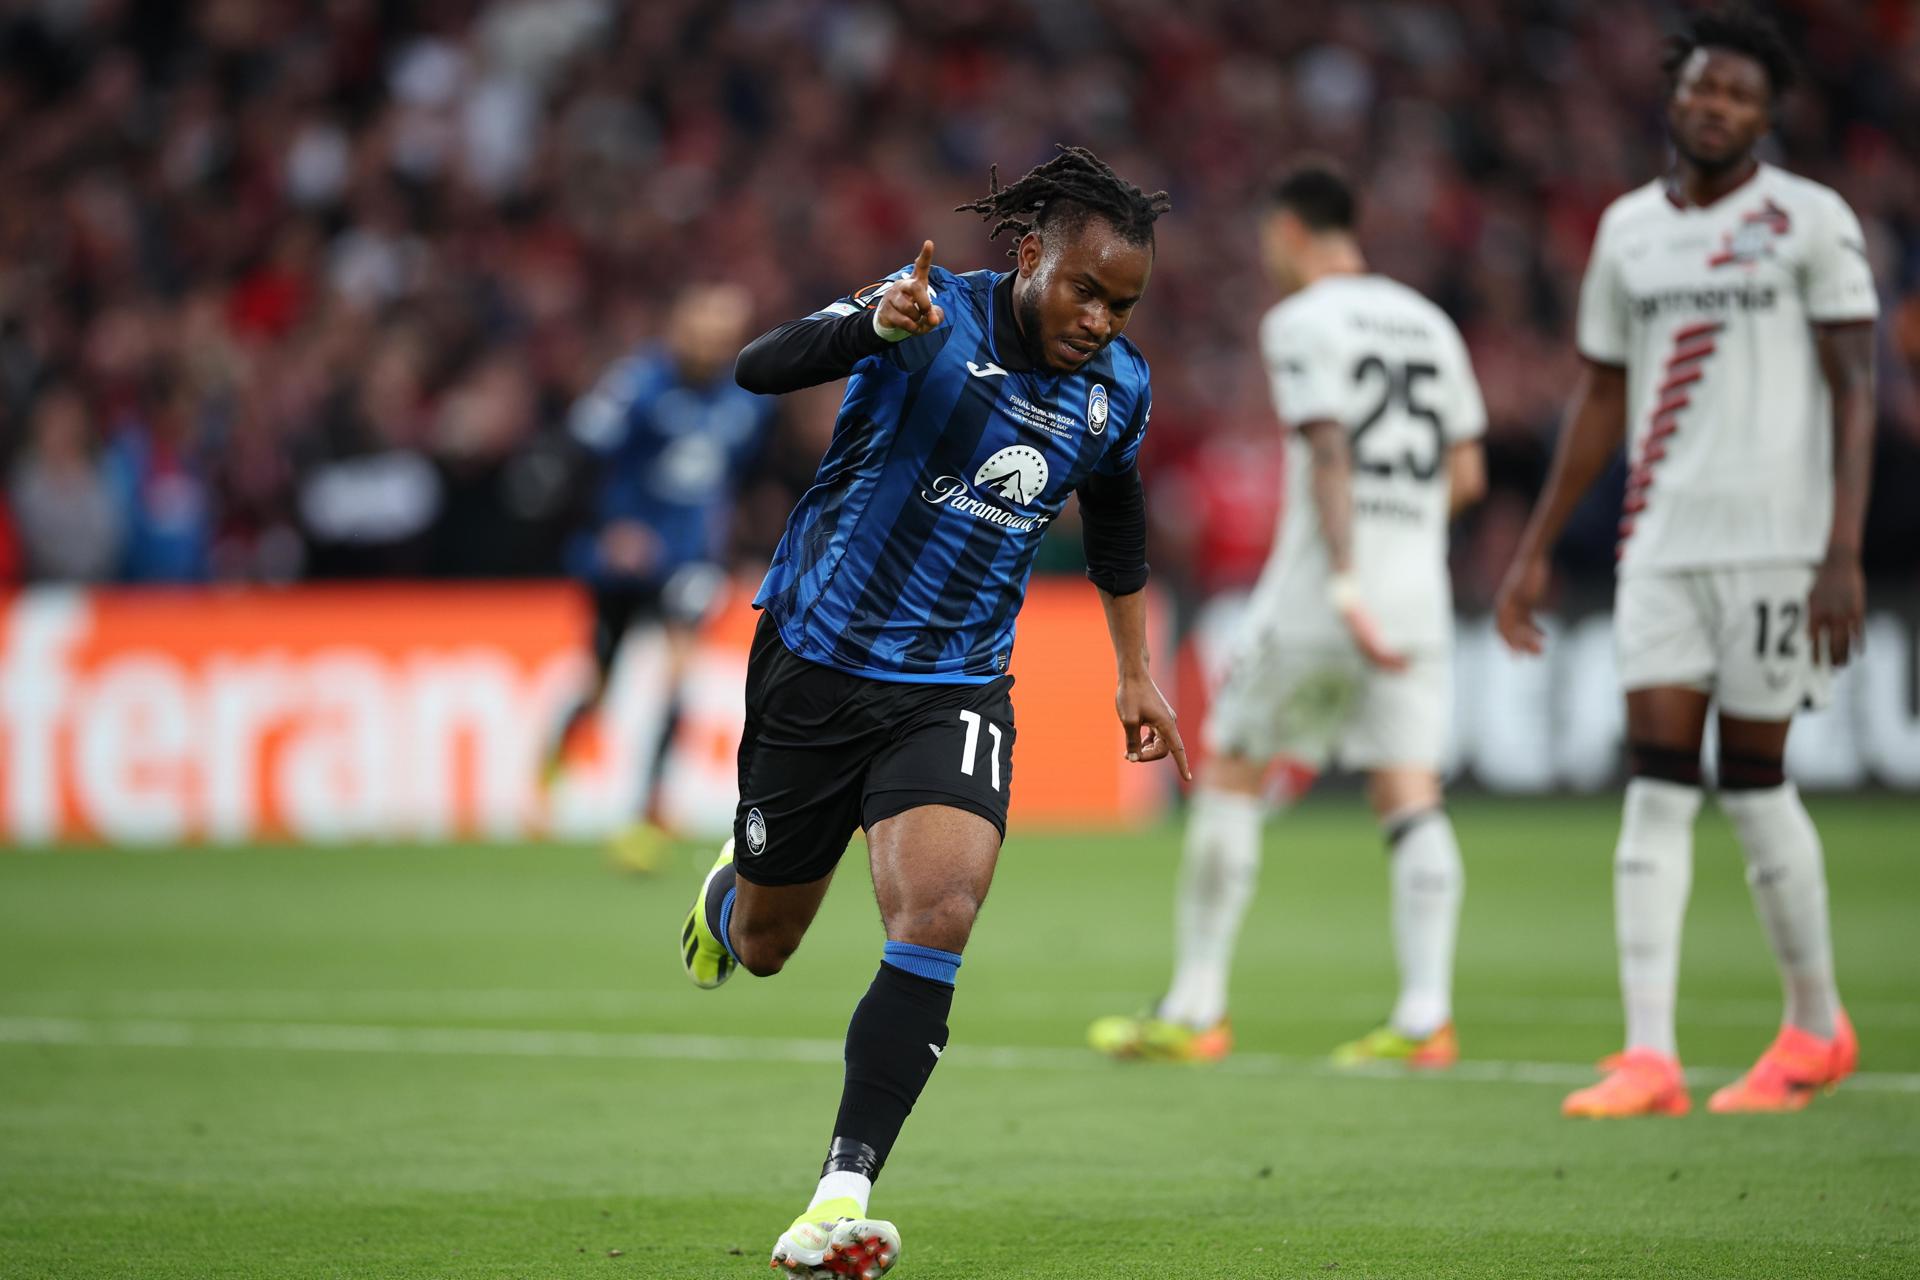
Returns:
<point x="673" y="434"/>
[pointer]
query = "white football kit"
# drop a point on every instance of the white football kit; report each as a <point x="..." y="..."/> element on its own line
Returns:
<point x="1730" y="428"/>
<point x="1390" y="367"/>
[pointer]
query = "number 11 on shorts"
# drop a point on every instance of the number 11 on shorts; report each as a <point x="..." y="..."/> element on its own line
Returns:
<point x="972" y="747"/>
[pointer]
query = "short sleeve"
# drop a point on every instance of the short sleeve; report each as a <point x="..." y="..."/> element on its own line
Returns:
<point x="909" y="353"/>
<point x="1468" y="417"/>
<point x="1301" y="369"/>
<point x="1837" y="279"/>
<point x="1603" y="331"/>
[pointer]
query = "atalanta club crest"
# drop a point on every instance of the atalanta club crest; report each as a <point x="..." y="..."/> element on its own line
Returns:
<point x="1097" y="408"/>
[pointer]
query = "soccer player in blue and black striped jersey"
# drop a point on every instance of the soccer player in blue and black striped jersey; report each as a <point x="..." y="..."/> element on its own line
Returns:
<point x="877" y="691"/>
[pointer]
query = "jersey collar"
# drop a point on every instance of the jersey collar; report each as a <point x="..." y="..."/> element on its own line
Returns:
<point x="1012" y="356"/>
<point x="1670" y="187"/>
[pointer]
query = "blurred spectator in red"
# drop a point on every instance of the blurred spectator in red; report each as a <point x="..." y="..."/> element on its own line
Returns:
<point x="11" y="567"/>
<point x="1216" y="507"/>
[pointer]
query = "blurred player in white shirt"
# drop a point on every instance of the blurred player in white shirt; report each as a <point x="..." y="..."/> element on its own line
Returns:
<point x="1726" y="323"/>
<point x="1346" y="650"/>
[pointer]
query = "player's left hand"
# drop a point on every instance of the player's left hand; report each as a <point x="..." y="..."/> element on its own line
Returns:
<point x="1837" y="607"/>
<point x="1153" y="731"/>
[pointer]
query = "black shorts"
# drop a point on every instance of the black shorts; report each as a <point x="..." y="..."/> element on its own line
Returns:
<point x="825" y="753"/>
<point x="679" y="600"/>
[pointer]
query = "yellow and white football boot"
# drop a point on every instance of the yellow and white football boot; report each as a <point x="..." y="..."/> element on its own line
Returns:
<point x="832" y="1240"/>
<point x="706" y="960"/>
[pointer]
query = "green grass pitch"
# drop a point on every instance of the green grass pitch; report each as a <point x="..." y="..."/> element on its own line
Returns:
<point x="470" y="1062"/>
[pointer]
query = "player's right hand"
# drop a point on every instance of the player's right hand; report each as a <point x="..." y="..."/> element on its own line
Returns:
<point x="629" y="547"/>
<point x="1366" y="638"/>
<point x="908" y="307"/>
<point x="1513" y="606"/>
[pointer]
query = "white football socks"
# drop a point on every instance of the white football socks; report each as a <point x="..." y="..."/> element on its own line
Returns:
<point x="1652" y="875"/>
<point x="1788" y="877"/>
<point x="843" y="1183"/>
<point x="1218" y="869"/>
<point x="1428" y="883"/>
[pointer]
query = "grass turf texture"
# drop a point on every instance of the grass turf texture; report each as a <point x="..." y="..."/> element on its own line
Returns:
<point x="465" y="1062"/>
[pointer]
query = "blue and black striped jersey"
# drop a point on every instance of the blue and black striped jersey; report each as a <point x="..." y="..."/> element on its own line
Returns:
<point x="671" y="455"/>
<point x="909" y="556"/>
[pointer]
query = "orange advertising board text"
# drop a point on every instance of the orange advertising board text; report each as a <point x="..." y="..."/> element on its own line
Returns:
<point x="420" y="712"/>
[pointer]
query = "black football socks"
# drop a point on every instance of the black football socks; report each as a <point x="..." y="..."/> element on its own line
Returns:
<point x="894" y="1041"/>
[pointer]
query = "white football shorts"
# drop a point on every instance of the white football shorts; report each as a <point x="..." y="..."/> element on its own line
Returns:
<point x="1737" y="633"/>
<point x="1320" y="704"/>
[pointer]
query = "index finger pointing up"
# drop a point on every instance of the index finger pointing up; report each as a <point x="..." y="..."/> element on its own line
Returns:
<point x="923" y="262"/>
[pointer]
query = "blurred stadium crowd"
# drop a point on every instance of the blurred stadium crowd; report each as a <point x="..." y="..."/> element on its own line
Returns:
<point x="304" y="290"/>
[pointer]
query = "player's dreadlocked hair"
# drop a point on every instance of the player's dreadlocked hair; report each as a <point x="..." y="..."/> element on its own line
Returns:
<point x="1740" y="30"/>
<point x="1064" y="192"/>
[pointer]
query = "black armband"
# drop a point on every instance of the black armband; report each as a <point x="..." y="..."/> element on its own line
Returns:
<point x="1113" y="531"/>
<point x="806" y="353"/>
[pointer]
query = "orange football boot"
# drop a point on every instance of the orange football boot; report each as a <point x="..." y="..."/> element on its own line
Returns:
<point x="1795" y="1066"/>
<point x="1639" y="1082"/>
<point x="1148" y="1038"/>
<point x="1436" y="1052"/>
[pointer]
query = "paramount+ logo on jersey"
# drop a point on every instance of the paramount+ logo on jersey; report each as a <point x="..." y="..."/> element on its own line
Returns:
<point x="1016" y="474"/>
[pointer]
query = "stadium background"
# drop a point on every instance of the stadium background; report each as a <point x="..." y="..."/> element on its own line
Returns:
<point x="303" y="294"/>
<point x="294" y="301"/>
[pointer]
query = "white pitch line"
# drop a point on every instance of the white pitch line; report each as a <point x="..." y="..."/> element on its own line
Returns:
<point x="486" y="1042"/>
<point x="570" y="1003"/>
